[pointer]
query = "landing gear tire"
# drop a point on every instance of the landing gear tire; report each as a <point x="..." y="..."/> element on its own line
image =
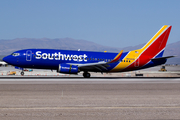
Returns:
<point x="86" y="75"/>
<point x="22" y="73"/>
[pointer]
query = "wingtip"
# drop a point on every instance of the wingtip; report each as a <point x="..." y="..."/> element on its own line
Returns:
<point x="117" y="57"/>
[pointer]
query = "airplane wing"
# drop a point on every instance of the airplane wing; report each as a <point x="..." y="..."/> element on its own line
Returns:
<point x="101" y="65"/>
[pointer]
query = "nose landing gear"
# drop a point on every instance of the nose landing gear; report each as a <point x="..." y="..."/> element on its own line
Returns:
<point x="22" y="73"/>
<point x="86" y="75"/>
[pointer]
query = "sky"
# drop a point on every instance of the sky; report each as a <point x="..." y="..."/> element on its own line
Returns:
<point x="115" y="23"/>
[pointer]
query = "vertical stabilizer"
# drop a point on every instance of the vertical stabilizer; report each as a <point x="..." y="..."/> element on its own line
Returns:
<point x="142" y="57"/>
<point x="155" y="47"/>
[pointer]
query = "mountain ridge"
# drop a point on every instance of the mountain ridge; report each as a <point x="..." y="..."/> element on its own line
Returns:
<point x="9" y="46"/>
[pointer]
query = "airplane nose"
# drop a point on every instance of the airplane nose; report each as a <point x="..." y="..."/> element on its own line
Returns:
<point x="10" y="60"/>
<point x="6" y="59"/>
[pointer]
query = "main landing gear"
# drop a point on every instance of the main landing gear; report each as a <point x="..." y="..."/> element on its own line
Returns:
<point x="86" y="75"/>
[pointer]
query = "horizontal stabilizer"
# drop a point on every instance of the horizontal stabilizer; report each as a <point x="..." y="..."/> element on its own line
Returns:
<point x="162" y="58"/>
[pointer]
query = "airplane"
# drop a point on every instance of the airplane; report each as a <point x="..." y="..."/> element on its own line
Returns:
<point x="72" y="62"/>
<point x="3" y="63"/>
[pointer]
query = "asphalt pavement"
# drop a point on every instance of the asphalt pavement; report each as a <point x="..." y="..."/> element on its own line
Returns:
<point x="99" y="98"/>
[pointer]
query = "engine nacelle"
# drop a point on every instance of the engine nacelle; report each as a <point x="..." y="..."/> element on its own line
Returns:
<point x="69" y="69"/>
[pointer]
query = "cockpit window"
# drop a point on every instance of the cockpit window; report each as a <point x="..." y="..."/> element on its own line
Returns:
<point x="15" y="54"/>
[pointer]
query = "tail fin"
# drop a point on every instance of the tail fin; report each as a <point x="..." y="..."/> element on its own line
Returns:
<point x="143" y="57"/>
<point x="155" y="47"/>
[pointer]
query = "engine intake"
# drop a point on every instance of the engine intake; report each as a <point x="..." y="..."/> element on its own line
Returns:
<point x="67" y="68"/>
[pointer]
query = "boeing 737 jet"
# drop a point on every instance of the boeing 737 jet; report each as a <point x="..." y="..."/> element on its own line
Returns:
<point x="72" y="62"/>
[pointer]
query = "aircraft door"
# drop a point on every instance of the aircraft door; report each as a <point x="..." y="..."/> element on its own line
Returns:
<point x="136" y="64"/>
<point x="28" y="55"/>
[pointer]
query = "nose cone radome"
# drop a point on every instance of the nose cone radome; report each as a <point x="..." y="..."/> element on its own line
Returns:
<point x="4" y="59"/>
<point x="7" y="59"/>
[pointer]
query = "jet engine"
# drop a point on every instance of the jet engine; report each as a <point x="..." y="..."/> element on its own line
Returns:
<point x="67" y="68"/>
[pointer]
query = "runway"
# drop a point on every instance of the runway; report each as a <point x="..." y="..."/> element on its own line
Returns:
<point x="95" y="98"/>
